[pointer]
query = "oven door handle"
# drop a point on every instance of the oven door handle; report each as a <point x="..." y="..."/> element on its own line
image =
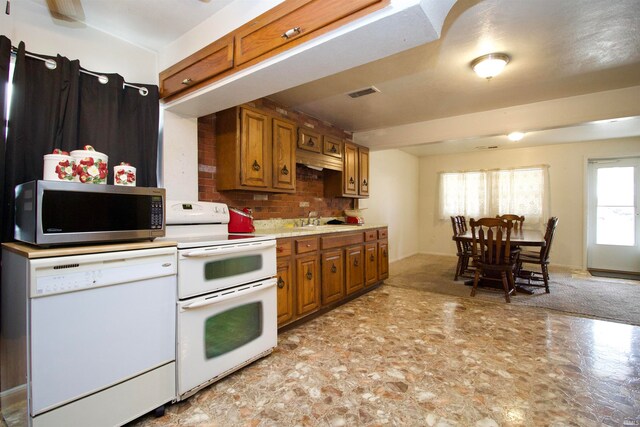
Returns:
<point x="221" y="250"/>
<point x="222" y="296"/>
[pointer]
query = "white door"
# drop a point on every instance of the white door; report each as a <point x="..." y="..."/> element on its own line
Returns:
<point x="614" y="215"/>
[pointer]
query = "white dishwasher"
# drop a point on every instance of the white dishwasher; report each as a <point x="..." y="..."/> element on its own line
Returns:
<point x="100" y="334"/>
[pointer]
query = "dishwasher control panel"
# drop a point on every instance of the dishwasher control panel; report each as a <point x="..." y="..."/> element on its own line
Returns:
<point x="82" y="272"/>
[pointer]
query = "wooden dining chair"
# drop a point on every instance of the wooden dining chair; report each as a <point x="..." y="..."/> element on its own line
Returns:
<point x="518" y="221"/>
<point x="458" y="224"/>
<point x="540" y="258"/>
<point x="492" y="254"/>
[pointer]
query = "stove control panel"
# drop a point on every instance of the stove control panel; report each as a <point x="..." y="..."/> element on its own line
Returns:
<point x="193" y="212"/>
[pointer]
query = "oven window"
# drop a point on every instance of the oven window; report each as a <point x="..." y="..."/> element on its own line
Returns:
<point x="231" y="329"/>
<point x="232" y="267"/>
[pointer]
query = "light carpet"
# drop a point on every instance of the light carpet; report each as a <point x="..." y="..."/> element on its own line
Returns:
<point x="572" y="291"/>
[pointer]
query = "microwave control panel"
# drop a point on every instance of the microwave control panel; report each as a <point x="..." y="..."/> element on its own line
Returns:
<point x="157" y="213"/>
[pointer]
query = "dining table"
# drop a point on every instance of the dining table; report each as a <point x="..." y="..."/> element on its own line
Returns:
<point x="533" y="238"/>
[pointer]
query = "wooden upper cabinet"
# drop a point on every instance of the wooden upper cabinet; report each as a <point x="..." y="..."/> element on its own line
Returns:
<point x="255" y="150"/>
<point x="350" y="170"/>
<point x="284" y="155"/>
<point x="309" y="140"/>
<point x="202" y="65"/>
<point x="363" y="171"/>
<point x="289" y="22"/>
<point x="332" y="146"/>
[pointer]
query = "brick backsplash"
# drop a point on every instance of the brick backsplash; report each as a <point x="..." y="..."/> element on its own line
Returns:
<point x="309" y="194"/>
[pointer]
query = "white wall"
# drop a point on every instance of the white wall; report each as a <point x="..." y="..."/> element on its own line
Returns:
<point x="567" y="187"/>
<point x="96" y="50"/>
<point x="394" y="177"/>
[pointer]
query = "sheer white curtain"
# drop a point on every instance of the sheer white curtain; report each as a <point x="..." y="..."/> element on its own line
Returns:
<point x="477" y="194"/>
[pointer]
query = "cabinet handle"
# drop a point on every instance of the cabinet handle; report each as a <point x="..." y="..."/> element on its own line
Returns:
<point x="280" y="282"/>
<point x="372" y="257"/>
<point x="352" y="181"/>
<point x="356" y="262"/>
<point x="384" y="253"/>
<point x="255" y="166"/>
<point x="333" y="268"/>
<point x="310" y="143"/>
<point x="187" y="81"/>
<point x="309" y="275"/>
<point x="285" y="171"/>
<point x="333" y="149"/>
<point x="290" y="33"/>
<point x="364" y="182"/>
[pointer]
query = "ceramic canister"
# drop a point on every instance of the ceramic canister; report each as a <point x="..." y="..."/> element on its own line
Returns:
<point x="58" y="167"/>
<point x="91" y="166"/>
<point x="124" y="174"/>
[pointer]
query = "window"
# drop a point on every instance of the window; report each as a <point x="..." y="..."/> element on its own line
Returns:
<point x="477" y="194"/>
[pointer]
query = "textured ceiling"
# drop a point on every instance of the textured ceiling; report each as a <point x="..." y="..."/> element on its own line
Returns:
<point x="557" y="48"/>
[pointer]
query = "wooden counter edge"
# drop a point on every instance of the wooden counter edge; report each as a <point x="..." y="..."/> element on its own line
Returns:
<point x="33" y="252"/>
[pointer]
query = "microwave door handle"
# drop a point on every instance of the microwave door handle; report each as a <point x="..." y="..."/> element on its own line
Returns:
<point x="237" y="294"/>
<point x="216" y="251"/>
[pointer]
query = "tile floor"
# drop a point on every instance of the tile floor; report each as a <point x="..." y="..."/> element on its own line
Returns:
<point x="405" y="357"/>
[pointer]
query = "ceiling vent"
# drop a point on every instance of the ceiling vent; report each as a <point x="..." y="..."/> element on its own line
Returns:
<point x="362" y="92"/>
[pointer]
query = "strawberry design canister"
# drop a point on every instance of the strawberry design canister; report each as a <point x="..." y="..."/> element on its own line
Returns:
<point x="124" y="174"/>
<point x="59" y="166"/>
<point x="91" y="166"/>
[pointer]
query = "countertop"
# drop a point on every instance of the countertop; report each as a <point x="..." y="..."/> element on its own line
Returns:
<point x="32" y="252"/>
<point x="285" y="232"/>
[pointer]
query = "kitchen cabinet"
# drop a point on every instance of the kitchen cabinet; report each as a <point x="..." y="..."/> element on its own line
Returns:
<point x="317" y="273"/>
<point x="383" y="259"/>
<point x="287" y="25"/>
<point x="353" y="181"/>
<point x="254" y="151"/>
<point x="203" y="65"/>
<point x="307" y="284"/>
<point x="309" y="140"/>
<point x="371" y="263"/>
<point x="332" y="276"/>
<point x="332" y="146"/>
<point x="290" y="23"/>
<point x="354" y="269"/>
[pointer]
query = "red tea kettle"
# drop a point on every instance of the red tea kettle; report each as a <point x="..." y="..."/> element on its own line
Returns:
<point x="240" y="221"/>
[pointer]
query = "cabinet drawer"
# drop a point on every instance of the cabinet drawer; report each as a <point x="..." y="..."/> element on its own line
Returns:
<point x="370" y="235"/>
<point x="340" y="240"/>
<point x="306" y="245"/>
<point x="382" y="233"/>
<point x="206" y="63"/>
<point x="290" y="21"/>
<point x="332" y="147"/>
<point x="309" y="140"/>
<point x="283" y="248"/>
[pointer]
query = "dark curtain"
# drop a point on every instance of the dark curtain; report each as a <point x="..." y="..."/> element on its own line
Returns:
<point x="5" y="60"/>
<point x="64" y="108"/>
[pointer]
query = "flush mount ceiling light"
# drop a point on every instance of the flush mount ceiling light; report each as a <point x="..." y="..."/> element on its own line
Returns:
<point x="488" y="66"/>
<point x="515" y="136"/>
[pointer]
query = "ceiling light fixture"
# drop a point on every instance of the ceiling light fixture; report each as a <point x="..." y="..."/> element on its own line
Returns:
<point x="488" y="66"/>
<point x="515" y="136"/>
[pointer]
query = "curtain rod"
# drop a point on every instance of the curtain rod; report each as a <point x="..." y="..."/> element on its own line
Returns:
<point x="52" y="65"/>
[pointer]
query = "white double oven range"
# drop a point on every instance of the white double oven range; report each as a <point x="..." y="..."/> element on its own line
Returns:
<point x="227" y="304"/>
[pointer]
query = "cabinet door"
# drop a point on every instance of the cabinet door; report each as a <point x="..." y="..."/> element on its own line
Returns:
<point x="383" y="259"/>
<point x="255" y="150"/>
<point x="363" y="169"/>
<point x="350" y="173"/>
<point x="309" y="140"/>
<point x="284" y="155"/>
<point x="354" y="269"/>
<point x="332" y="147"/>
<point x="285" y="291"/>
<point x="332" y="276"/>
<point x="371" y="263"/>
<point x="307" y="284"/>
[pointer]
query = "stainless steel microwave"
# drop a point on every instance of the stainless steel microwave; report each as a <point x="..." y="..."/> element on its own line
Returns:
<point x="64" y="213"/>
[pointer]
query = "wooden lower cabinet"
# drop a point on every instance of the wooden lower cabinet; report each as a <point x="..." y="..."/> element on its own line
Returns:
<point x="383" y="259"/>
<point x="318" y="273"/>
<point x="354" y="269"/>
<point x="307" y="284"/>
<point x="332" y="276"/>
<point x="371" y="263"/>
<point x="284" y="278"/>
